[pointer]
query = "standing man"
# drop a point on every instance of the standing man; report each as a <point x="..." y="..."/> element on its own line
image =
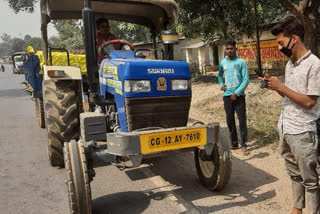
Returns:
<point x="104" y="35"/>
<point x="300" y="110"/>
<point x="233" y="79"/>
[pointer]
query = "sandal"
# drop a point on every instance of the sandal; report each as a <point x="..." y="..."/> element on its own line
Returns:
<point x="245" y="151"/>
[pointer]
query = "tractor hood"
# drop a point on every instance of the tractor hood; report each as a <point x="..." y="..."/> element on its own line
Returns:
<point x="155" y="14"/>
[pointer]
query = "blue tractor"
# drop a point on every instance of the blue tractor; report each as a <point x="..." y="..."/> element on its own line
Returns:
<point x="138" y="107"/>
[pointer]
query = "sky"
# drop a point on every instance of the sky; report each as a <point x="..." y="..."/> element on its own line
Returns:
<point x="21" y="24"/>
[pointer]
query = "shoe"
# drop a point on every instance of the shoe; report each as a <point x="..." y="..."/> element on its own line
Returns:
<point x="245" y="151"/>
<point x="29" y="89"/>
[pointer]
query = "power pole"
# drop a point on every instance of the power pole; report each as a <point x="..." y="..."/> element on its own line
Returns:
<point x="257" y="36"/>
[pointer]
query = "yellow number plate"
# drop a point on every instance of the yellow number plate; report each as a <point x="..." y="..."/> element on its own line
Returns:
<point x="173" y="140"/>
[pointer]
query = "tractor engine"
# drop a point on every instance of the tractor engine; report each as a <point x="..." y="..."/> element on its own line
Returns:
<point x="147" y="93"/>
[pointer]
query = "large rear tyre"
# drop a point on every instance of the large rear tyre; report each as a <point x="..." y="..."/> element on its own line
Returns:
<point x="40" y="113"/>
<point x="78" y="183"/>
<point x="214" y="171"/>
<point x="62" y="117"/>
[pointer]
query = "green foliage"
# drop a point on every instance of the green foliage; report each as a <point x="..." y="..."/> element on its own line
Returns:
<point x="35" y="42"/>
<point x="11" y="45"/>
<point x="17" y="45"/>
<point x="70" y="35"/>
<point x="22" y="5"/>
<point x="208" y="20"/>
<point x="130" y="32"/>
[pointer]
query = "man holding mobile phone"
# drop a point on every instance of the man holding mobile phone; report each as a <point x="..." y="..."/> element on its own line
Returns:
<point x="300" y="111"/>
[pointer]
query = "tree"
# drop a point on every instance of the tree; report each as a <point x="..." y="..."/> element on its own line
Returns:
<point x="54" y="41"/>
<point x="130" y="32"/>
<point x="222" y="19"/>
<point x="308" y="12"/>
<point x="12" y="45"/>
<point x="35" y="42"/>
<point x="6" y="38"/>
<point x="70" y="34"/>
<point x="4" y="49"/>
<point x="27" y="37"/>
<point x="17" y="45"/>
<point x="22" y="5"/>
<point x="230" y="19"/>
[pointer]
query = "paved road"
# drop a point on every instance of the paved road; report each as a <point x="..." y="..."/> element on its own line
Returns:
<point x="28" y="184"/>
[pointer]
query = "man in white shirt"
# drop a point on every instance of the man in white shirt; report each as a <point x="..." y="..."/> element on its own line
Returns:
<point x="300" y="110"/>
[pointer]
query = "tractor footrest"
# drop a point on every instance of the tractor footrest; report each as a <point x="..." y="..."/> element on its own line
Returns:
<point x="93" y="126"/>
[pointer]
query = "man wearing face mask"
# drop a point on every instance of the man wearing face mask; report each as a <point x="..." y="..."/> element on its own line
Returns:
<point x="300" y="110"/>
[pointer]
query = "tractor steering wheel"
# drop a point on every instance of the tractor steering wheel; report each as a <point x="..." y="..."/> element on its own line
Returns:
<point x="102" y="51"/>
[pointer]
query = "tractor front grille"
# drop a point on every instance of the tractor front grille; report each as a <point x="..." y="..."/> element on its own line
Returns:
<point x="165" y="112"/>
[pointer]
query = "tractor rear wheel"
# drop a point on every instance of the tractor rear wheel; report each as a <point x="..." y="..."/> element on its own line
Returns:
<point x="79" y="191"/>
<point x="40" y="112"/>
<point x="214" y="171"/>
<point x="62" y="117"/>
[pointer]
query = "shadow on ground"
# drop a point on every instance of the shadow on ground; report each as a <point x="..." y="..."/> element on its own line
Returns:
<point x="259" y="139"/>
<point x="179" y="171"/>
<point x="205" y="79"/>
<point x="135" y="202"/>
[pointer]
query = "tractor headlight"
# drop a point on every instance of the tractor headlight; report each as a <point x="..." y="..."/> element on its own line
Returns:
<point x="137" y="86"/>
<point x="179" y="85"/>
<point x="56" y="73"/>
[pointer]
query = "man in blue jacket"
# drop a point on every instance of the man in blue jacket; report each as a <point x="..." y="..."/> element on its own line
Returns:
<point x="233" y="79"/>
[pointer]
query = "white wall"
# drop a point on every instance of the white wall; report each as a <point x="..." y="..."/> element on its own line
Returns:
<point x="266" y="35"/>
<point x="180" y="52"/>
<point x="221" y="52"/>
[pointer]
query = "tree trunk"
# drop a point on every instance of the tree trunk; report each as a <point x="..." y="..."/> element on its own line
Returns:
<point x="310" y="36"/>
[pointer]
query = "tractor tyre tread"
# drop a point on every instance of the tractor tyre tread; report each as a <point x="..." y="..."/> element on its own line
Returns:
<point x="62" y="117"/>
<point x="74" y="200"/>
<point x="40" y="113"/>
<point x="221" y="155"/>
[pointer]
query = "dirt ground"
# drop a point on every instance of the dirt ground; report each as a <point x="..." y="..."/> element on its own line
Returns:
<point x="264" y="156"/>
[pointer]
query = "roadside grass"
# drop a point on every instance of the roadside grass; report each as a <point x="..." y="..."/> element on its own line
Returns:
<point x="263" y="110"/>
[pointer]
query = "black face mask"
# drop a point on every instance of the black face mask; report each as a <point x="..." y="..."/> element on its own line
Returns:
<point x="286" y="51"/>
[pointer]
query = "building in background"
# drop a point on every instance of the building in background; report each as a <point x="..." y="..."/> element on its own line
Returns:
<point x="208" y="55"/>
<point x="271" y="57"/>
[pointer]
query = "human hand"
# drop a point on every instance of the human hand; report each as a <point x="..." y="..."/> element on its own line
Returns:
<point x="261" y="79"/>
<point x="273" y="83"/>
<point x="233" y="97"/>
<point x="223" y="88"/>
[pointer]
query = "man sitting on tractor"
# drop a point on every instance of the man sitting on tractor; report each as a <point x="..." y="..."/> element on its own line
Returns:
<point x="104" y="35"/>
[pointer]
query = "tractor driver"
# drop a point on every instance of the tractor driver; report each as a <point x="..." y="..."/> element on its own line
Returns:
<point x="104" y="35"/>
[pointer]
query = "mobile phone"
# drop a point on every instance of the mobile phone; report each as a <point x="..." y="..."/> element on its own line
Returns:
<point x="260" y="74"/>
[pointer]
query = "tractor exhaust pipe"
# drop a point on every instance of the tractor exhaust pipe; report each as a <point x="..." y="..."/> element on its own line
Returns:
<point x="90" y="46"/>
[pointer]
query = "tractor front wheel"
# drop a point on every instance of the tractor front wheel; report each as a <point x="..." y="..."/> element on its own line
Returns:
<point x="79" y="191"/>
<point x="214" y="171"/>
